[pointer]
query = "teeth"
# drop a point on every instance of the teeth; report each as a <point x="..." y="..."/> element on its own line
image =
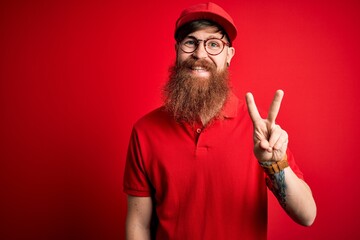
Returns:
<point x="198" y="68"/>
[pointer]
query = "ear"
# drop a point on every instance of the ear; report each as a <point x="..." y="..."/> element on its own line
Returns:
<point x="230" y="54"/>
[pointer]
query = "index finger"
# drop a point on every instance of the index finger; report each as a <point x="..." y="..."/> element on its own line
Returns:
<point x="275" y="106"/>
<point x="253" y="111"/>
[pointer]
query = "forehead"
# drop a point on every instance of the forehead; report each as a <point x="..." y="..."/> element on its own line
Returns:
<point x="206" y="32"/>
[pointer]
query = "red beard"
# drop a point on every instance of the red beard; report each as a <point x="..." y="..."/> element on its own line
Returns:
<point x="191" y="98"/>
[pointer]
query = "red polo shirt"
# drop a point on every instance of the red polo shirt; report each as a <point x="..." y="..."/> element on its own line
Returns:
<point x="205" y="181"/>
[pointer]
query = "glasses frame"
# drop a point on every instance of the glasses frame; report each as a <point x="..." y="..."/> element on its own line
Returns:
<point x="205" y="41"/>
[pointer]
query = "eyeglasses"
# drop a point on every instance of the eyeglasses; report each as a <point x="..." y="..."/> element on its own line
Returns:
<point x="213" y="46"/>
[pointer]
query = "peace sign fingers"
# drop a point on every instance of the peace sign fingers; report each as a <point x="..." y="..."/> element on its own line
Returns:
<point x="270" y="141"/>
<point x="275" y="107"/>
<point x="253" y="111"/>
<point x="273" y="111"/>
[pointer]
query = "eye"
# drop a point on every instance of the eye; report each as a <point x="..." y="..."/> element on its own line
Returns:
<point x="189" y="42"/>
<point x="213" y="44"/>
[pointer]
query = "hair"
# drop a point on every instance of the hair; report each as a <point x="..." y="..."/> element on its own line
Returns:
<point x="196" y="25"/>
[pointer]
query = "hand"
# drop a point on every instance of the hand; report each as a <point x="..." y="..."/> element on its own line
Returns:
<point x="270" y="141"/>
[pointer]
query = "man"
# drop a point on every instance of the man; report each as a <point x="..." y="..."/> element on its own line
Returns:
<point x="196" y="166"/>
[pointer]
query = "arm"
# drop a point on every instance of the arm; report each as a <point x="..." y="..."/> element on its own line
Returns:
<point x="293" y="194"/>
<point x="300" y="204"/>
<point x="138" y="218"/>
<point x="270" y="145"/>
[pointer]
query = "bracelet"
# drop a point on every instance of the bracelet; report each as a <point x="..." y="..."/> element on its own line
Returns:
<point x="274" y="167"/>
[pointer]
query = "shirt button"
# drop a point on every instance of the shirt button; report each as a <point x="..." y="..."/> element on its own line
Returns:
<point x="198" y="130"/>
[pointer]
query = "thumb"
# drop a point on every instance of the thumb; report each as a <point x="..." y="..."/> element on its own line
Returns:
<point x="265" y="145"/>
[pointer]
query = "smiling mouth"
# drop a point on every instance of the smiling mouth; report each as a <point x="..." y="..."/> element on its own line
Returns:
<point x="199" y="69"/>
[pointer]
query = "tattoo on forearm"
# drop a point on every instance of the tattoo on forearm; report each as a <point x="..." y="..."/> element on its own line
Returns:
<point x="276" y="184"/>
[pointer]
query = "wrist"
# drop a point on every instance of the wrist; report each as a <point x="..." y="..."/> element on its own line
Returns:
<point x="271" y="167"/>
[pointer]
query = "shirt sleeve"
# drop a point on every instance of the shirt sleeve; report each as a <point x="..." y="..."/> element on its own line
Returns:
<point x="293" y="165"/>
<point x="136" y="182"/>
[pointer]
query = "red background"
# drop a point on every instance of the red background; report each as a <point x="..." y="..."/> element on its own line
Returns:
<point x="75" y="76"/>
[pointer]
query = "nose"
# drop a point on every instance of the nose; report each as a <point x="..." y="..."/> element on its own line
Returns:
<point x="200" y="51"/>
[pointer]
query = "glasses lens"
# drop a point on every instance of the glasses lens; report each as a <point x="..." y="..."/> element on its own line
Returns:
<point x="189" y="45"/>
<point x="214" y="46"/>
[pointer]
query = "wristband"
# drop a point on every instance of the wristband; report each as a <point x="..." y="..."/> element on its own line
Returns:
<point x="272" y="168"/>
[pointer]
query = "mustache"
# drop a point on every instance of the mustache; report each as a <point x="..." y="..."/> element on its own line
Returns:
<point x="191" y="63"/>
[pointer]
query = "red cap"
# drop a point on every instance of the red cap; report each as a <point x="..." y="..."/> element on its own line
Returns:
<point x="209" y="11"/>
